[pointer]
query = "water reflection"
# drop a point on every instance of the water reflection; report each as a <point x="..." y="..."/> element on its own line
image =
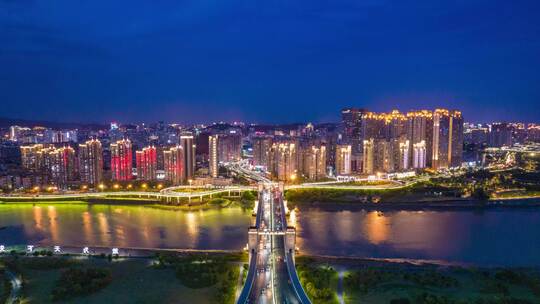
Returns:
<point x="492" y="237"/>
<point x="376" y="227"/>
<point x="124" y="226"/>
<point x="500" y="237"/>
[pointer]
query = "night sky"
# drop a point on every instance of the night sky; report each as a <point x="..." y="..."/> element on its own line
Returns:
<point x="266" y="61"/>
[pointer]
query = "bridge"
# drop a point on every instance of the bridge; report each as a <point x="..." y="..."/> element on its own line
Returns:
<point x="272" y="276"/>
<point x="169" y="194"/>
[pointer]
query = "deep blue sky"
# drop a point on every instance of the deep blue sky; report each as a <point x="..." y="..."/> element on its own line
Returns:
<point x="266" y="61"/>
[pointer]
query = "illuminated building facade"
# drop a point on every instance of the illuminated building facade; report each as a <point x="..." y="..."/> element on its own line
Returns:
<point x="173" y="162"/>
<point x="500" y="135"/>
<point x="419" y="155"/>
<point x="121" y="160"/>
<point x="447" y="138"/>
<point x="32" y="157"/>
<point x="61" y="164"/>
<point x="91" y="162"/>
<point x="261" y="146"/>
<point x="353" y="120"/>
<point x="213" y="159"/>
<point x="146" y="161"/>
<point x="420" y="135"/>
<point x="188" y="146"/>
<point x="284" y="160"/>
<point x="229" y="147"/>
<point x="313" y="161"/>
<point x="343" y="159"/>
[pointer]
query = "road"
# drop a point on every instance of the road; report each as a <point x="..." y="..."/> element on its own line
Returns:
<point x="16" y="285"/>
<point x="272" y="276"/>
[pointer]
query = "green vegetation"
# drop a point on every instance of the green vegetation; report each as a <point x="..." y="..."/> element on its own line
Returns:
<point x="319" y="280"/>
<point x="75" y="282"/>
<point x="425" y="191"/>
<point x="248" y="198"/>
<point x="202" y="271"/>
<point x="82" y="280"/>
<point x="5" y="285"/>
<point x="405" y="283"/>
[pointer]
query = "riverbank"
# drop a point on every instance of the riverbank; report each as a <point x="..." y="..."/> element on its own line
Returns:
<point x="158" y="277"/>
<point x="380" y="281"/>
<point x="398" y="199"/>
<point x="216" y="202"/>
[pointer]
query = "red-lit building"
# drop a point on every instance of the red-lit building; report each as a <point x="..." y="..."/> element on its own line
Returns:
<point x="121" y="160"/>
<point x="146" y="161"/>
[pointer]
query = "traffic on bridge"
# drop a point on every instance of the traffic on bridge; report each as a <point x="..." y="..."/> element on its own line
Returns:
<point x="272" y="277"/>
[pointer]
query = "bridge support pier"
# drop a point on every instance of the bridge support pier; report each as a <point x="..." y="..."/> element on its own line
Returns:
<point x="290" y="240"/>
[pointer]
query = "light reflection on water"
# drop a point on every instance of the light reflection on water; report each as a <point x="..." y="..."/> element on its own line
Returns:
<point x="123" y="226"/>
<point x="491" y="237"/>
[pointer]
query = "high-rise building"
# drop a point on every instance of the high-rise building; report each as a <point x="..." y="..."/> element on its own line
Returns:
<point x="186" y="141"/>
<point x="61" y="164"/>
<point x="500" y="135"/>
<point x="420" y="129"/>
<point x="146" y="161"/>
<point x="343" y="159"/>
<point x="31" y="157"/>
<point x="313" y="162"/>
<point x="229" y="147"/>
<point x="91" y="162"/>
<point x="121" y="160"/>
<point x="261" y="148"/>
<point x="284" y="160"/>
<point x="353" y="127"/>
<point x="213" y="155"/>
<point x="456" y="139"/>
<point x="369" y="156"/>
<point x="419" y="155"/>
<point x="173" y="160"/>
<point x="447" y="138"/>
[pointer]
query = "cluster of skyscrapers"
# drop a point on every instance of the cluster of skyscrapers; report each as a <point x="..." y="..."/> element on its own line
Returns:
<point x="63" y="166"/>
<point x="364" y="143"/>
<point x="395" y="141"/>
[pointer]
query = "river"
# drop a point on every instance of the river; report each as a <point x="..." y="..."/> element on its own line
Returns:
<point x="490" y="237"/>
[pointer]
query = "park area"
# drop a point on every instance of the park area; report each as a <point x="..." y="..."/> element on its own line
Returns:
<point x="196" y="278"/>
<point x="367" y="281"/>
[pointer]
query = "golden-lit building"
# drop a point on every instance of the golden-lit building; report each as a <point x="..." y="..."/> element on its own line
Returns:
<point x="173" y="160"/>
<point x="313" y="161"/>
<point x="284" y="160"/>
<point x="343" y="159"/>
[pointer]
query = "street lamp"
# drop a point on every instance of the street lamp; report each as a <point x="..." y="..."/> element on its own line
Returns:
<point x="190" y="181"/>
<point x="101" y="187"/>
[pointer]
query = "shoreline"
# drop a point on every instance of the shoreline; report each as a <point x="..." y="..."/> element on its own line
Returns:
<point x="446" y="203"/>
<point x="144" y="253"/>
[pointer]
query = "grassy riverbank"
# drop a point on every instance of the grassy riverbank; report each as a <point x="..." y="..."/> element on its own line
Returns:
<point x="246" y="200"/>
<point x="414" y="196"/>
<point x="212" y="278"/>
<point x="368" y="281"/>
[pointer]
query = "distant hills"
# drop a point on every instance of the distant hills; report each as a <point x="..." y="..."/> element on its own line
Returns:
<point x="7" y="122"/>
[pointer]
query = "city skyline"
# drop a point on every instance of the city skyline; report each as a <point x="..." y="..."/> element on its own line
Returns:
<point x="203" y="61"/>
